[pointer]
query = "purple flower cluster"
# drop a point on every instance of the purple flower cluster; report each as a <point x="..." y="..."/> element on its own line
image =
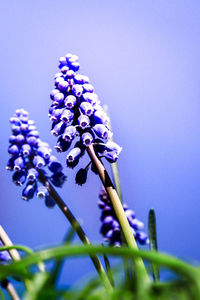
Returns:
<point x="76" y="111"/>
<point x="29" y="156"/>
<point x="4" y="255"/>
<point x="110" y="228"/>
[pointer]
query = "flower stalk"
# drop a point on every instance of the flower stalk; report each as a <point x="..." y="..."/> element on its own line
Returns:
<point x="15" y="257"/>
<point x="77" y="227"/>
<point x="10" y="289"/>
<point x="117" y="206"/>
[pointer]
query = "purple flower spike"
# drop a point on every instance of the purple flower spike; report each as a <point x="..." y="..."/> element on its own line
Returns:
<point x="76" y="104"/>
<point x="110" y="228"/>
<point x="29" y="156"/>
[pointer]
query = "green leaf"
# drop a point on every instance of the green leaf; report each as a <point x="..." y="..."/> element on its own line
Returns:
<point x="1" y="295"/>
<point x="38" y="283"/>
<point x="180" y="267"/>
<point x="153" y="242"/>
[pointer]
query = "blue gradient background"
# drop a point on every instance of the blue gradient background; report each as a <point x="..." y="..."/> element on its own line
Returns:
<point x="143" y="59"/>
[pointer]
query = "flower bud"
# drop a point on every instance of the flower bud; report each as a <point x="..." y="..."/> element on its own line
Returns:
<point x="19" y="164"/>
<point x="29" y="191"/>
<point x="62" y="145"/>
<point x="86" y="108"/>
<point x="101" y="131"/>
<point x="54" y="164"/>
<point x="87" y="139"/>
<point x="19" y="177"/>
<point x="42" y="192"/>
<point x="32" y="175"/>
<point x="38" y="162"/>
<point x="70" y="101"/>
<point x="83" y="121"/>
<point x="69" y="133"/>
<point x="81" y="176"/>
<point x="58" y="179"/>
<point x="67" y="115"/>
<point x="77" y="90"/>
<point x="58" y="128"/>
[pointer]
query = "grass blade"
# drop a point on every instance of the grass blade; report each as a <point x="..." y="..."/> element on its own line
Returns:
<point x="153" y="242"/>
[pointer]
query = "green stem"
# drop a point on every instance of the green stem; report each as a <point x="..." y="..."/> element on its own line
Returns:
<point x="13" y="252"/>
<point x="77" y="227"/>
<point x="118" y="208"/>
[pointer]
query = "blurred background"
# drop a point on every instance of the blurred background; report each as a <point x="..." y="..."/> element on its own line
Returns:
<point x="143" y="58"/>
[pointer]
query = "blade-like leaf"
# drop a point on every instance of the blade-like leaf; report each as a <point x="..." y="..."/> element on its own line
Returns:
<point x="153" y="242"/>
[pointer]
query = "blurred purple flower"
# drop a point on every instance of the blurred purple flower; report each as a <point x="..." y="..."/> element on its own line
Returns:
<point x="110" y="228"/>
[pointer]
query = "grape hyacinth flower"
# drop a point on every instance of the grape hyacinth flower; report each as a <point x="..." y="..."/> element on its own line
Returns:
<point x="76" y="112"/>
<point x="110" y="228"/>
<point x="4" y="255"/>
<point x="29" y="156"/>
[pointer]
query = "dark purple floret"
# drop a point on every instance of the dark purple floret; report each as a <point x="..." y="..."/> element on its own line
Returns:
<point x="76" y="112"/>
<point x="58" y="179"/>
<point x="110" y="228"/>
<point x="81" y="176"/>
<point x="29" y="156"/>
